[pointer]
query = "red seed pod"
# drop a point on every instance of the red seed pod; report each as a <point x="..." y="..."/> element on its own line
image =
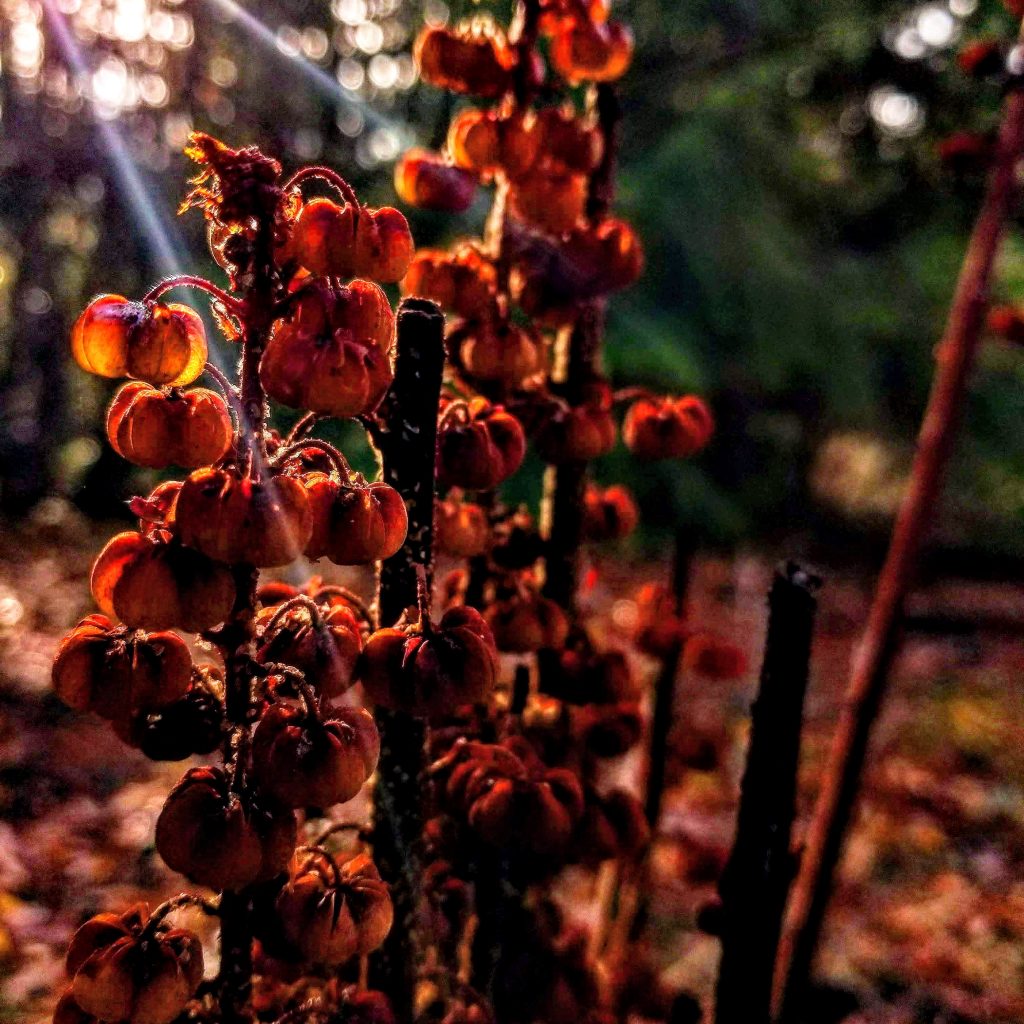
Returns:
<point x="659" y="629"/>
<point x="234" y="519"/>
<point x="584" y="51"/>
<point x="123" y="971"/>
<point x="471" y="58"/>
<point x="510" y="798"/>
<point x="153" y="341"/>
<point x="332" y="353"/>
<point x="149" y="583"/>
<point x="667" y="428"/>
<point x="569" y="142"/>
<point x="67" y="1011"/>
<point x="354" y="523"/>
<point x="479" y="445"/>
<point x="207" y="833"/>
<point x="428" y="670"/>
<point x="154" y="428"/>
<point x="304" y="762"/>
<point x="553" y="202"/>
<point x="336" y="241"/>
<point x="324" y="650"/>
<point x="499" y="352"/>
<point x="527" y="622"/>
<point x="609" y="730"/>
<point x="578" y="433"/>
<point x="613" y="825"/>
<point x="116" y="672"/>
<point x="713" y="657"/>
<point x="461" y="529"/>
<point x="1007" y="322"/>
<point x="462" y="281"/>
<point x="609" y="513"/>
<point x="193" y="724"/>
<point x="586" y="676"/>
<point x="429" y="181"/>
<point x="328" y="912"/>
<point x="488" y="141"/>
<point x="607" y="256"/>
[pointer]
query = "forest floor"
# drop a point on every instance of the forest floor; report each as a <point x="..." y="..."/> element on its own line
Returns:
<point x="927" y="924"/>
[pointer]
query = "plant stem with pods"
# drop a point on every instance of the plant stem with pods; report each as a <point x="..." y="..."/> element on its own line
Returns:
<point x="841" y="777"/>
<point x="236" y="640"/>
<point x="756" y="879"/>
<point x="406" y="436"/>
<point x="577" y="362"/>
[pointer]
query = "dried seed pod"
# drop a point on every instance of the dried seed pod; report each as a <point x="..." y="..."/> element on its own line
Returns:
<point x="210" y="835"/>
<point x="553" y="202"/>
<point x="150" y="583"/>
<point x="116" y="672"/>
<point x="234" y="519"/>
<point x="354" y="523"/>
<point x="327" y="912"/>
<point x="429" y="181"/>
<point x="510" y="798"/>
<point x="304" y="762"/>
<point x="609" y="730"/>
<point x="193" y="724"/>
<point x="613" y="825"/>
<point x="324" y="650"/>
<point x="479" y="445"/>
<point x="527" y="622"/>
<point x="337" y="241"/>
<point x="586" y="51"/>
<point x="609" y="513"/>
<point x="153" y="341"/>
<point x="472" y="58"/>
<point x="568" y="141"/>
<point x="499" y="352"/>
<point x="667" y="428"/>
<point x="429" y="670"/>
<point x="332" y="353"/>
<point x="578" y="433"/>
<point x="488" y="141"/>
<point x="154" y="428"/>
<point x="461" y="529"/>
<point x="122" y="971"/>
<point x="462" y="281"/>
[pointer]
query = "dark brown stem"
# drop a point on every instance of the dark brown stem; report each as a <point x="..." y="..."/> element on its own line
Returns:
<point x="756" y="878"/>
<point x="311" y="608"/>
<point x="303" y="425"/>
<point x="231" y="304"/>
<point x="408" y="445"/>
<point x="665" y="688"/>
<point x="841" y="777"/>
<point x="324" y="174"/>
<point x="577" y="358"/>
<point x="234" y="979"/>
<point x="340" y="462"/>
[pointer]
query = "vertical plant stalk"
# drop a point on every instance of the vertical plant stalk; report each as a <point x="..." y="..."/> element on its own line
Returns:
<point x="234" y="980"/>
<point x="756" y="878"/>
<point x="634" y="890"/>
<point x="576" y="362"/>
<point x="665" y="689"/>
<point x="407" y="439"/>
<point x="841" y="778"/>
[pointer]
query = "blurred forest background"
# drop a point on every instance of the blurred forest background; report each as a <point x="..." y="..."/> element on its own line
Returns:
<point x="780" y="159"/>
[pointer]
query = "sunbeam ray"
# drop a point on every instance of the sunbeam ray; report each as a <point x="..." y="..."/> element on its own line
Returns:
<point x="324" y="83"/>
